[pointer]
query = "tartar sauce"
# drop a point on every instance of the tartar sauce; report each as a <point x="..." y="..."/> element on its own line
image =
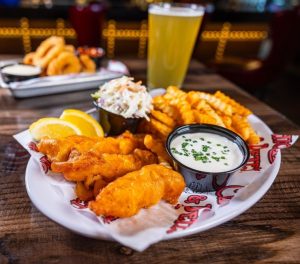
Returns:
<point x="21" y="70"/>
<point x="206" y="152"/>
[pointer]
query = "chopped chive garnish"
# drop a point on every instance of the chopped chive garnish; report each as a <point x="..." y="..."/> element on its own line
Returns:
<point x="183" y="145"/>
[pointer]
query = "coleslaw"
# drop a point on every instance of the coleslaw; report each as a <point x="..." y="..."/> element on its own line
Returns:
<point x="124" y="97"/>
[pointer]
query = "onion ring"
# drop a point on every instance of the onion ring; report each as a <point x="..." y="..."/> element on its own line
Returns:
<point x="69" y="48"/>
<point x="48" y="50"/>
<point x="65" y="63"/>
<point x="87" y="64"/>
<point x="29" y="57"/>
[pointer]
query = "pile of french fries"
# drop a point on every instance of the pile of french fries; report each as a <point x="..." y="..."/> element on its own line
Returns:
<point x="176" y="108"/>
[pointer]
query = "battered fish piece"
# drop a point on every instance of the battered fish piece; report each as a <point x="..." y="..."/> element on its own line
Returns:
<point x="60" y="149"/>
<point x="125" y="196"/>
<point x="157" y="146"/>
<point x="109" y="166"/>
<point x="114" y="146"/>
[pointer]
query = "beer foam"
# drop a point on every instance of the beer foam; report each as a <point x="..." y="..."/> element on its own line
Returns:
<point x="182" y="11"/>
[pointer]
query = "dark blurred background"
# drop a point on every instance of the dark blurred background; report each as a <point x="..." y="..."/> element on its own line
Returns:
<point x="253" y="43"/>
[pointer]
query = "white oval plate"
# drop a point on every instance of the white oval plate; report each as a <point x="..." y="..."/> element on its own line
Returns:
<point x="45" y="197"/>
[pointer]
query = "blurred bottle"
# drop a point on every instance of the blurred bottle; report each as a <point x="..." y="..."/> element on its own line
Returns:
<point x="87" y="19"/>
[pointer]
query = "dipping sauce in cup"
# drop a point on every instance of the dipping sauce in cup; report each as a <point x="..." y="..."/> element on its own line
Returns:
<point x="19" y="72"/>
<point x="206" y="155"/>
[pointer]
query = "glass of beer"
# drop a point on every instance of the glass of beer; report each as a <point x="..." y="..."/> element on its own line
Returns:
<point x="173" y="29"/>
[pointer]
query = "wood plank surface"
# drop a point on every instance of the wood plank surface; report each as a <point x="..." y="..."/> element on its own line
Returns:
<point x="269" y="232"/>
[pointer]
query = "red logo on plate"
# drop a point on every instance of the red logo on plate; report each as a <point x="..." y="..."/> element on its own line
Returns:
<point x="280" y="141"/>
<point x="79" y="204"/>
<point x="109" y="219"/>
<point x="46" y="164"/>
<point x="191" y="214"/>
<point x="32" y="146"/>
<point x="225" y="194"/>
<point x="253" y="164"/>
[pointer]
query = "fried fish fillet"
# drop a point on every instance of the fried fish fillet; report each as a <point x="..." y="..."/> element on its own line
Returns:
<point x="60" y="149"/>
<point x="125" y="196"/>
<point x="157" y="146"/>
<point x="124" y="144"/>
<point x="108" y="166"/>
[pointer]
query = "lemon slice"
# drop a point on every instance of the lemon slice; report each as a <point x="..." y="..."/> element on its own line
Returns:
<point x="53" y="128"/>
<point x="86" y="123"/>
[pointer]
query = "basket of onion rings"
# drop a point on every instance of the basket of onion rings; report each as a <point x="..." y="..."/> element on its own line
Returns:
<point x="55" y="57"/>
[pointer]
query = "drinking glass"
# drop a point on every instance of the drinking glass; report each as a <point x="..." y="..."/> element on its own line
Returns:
<point x="173" y="29"/>
<point x="87" y="20"/>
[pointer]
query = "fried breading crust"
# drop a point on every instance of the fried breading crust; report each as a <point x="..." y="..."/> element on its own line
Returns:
<point x="139" y="189"/>
<point x="109" y="166"/>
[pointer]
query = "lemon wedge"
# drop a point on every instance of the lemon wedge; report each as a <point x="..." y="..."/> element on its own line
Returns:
<point x="53" y="128"/>
<point x="86" y="123"/>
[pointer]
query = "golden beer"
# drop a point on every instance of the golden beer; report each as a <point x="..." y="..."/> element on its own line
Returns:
<point x="172" y="33"/>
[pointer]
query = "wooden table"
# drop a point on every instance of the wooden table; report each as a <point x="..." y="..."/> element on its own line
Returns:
<point x="268" y="232"/>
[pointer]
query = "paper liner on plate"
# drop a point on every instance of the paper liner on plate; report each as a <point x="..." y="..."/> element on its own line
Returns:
<point x="160" y="221"/>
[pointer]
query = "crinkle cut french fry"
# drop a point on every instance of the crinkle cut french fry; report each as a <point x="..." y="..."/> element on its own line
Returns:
<point x="200" y="104"/>
<point x="163" y="118"/>
<point x="216" y="103"/>
<point x="175" y="95"/>
<point x="160" y="128"/>
<point x="157" y="146"/>
<point x="186" y="113"/>
<point x="173" y="91"/>
<point x="201" y="107"/>
<point x="227" y="120"/>
<point x="241" y="125"/>
<point x="204" y="118"/>
<point x="207" y="109"/>
<point x="162" y="104"/>
<point x="193" y="98"/>
<point x="196" y="102"/>
<point x="233" y="130"/>
<point x="238" y="108"/>
<point x="158" y="101"/>
<point x="253" y="138"/>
